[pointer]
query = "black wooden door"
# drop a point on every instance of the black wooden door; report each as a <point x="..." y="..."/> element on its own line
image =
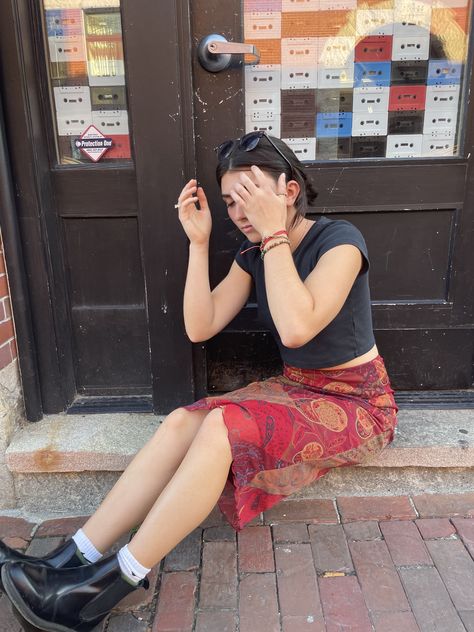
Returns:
<point x="103" y="251"/>
<point x="417" y="214"/>
<point x="105" y="255"/>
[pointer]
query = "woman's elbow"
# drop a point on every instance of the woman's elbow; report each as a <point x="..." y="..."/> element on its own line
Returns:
<point x="195" y="336"/>
<point x="293" y="341"/>
<point x="297" y="338"/>
<point x="290" y="343"/>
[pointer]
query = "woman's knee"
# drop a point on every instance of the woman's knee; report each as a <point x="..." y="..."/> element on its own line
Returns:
<point x="175" y="417"/>
<point x="184" y="420"/>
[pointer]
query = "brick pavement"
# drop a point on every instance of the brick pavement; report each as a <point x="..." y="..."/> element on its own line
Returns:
<point x="364" y="564"/>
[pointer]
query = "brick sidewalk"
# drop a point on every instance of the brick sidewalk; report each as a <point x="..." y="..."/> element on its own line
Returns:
<point x="383" y="564"/>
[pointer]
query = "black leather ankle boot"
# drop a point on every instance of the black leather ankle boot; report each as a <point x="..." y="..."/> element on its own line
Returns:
<point x="65" y="599"/>
<point x="64" y="556"/>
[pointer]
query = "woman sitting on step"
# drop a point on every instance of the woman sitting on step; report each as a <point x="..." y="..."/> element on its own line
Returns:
<point x="332" y="405"/>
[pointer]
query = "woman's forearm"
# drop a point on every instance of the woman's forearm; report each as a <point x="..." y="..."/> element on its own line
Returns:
<point x="198" y="308"/>
<point x="290" y="302"/>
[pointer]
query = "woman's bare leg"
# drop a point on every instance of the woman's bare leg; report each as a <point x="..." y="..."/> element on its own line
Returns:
<point x="190" y="495"/>
<point x="132" y="496"/>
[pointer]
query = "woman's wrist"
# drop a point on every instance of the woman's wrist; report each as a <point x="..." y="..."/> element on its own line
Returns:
<point x="271" y="230"/>
<point x="198" y="247"/>
<point x="273" y="244"/>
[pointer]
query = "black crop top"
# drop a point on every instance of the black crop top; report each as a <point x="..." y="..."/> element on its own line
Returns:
<point x="350" y="333"/>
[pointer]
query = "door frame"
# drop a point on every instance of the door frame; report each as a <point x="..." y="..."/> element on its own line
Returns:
<point x="28" y="118"/>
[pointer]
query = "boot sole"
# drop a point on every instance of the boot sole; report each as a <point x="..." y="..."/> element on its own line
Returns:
<point x="23" y="609"/>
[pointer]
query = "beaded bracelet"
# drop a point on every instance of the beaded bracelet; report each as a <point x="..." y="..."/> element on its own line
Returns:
<point x="265" y="240"/>
<point x="276" y="243"/>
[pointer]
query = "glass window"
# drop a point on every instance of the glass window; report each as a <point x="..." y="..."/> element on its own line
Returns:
<point x="342" y="79"/>
<point x="87" y="79"/>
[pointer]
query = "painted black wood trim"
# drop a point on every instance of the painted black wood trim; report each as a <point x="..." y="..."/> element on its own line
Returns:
<point x="34" y="50"/>
<point x="463" y="281"/>
<point x="416" y="358"/>
<point x="189" y="154"/>
<point x="110" y="404"/>
<point x="438" y="400"/>
<point x="18" y="285"/>
<point x="156" y="92"/>
<point x="30" y="171"/>
<point x="408" y="185"/>
<point x="82" y="191"/>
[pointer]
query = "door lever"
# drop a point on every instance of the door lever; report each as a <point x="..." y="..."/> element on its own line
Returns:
<point x="215" y="52"/>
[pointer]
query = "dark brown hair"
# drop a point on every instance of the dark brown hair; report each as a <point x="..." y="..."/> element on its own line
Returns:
<point x="268" y="159"/>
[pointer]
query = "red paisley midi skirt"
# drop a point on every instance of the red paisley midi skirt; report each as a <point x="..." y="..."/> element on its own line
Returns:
<point x="289" y="430"/>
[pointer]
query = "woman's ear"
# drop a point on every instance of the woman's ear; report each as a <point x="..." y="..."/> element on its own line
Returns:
<point x="292" y="190"/>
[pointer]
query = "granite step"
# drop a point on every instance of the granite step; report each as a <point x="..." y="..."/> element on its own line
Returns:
<point x="68" y="463"/>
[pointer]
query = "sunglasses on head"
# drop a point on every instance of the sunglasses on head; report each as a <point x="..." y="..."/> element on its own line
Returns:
<point x="247" y="143"/>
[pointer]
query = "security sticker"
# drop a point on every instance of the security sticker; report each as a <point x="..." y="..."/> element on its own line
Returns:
<point x="93" y="144"/>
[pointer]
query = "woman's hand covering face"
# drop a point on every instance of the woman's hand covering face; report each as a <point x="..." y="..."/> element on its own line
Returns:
<point x="262" y="201"/>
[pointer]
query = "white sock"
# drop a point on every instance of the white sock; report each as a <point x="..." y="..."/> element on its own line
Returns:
<point x="86" y="547"/>
<point x="130" y="566"/>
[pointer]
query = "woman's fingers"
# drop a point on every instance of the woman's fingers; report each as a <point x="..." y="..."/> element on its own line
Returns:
<point x="186" y="203"/>
<point x="281" y="186"/>
<point x="242" y="191"/>
<point x="186" y="192"/>
<point x="187" y="208"/>
<point x="201" y="196"/>
<point x="236" y="197"/>
<point x="187" y="187"/>
<point x="248" y="183"/>
<point x="191" y="193"/>
<point x="258" y="173"/>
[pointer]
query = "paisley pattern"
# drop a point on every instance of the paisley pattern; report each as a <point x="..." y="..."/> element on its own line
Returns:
<point x="289" y="430"/>
<point x="364" y="424"/>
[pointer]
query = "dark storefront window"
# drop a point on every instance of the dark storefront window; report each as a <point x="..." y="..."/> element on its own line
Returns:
<point x="87" y="78"/>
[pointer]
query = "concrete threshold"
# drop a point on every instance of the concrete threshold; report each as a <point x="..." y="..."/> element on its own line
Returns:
<point x="66" y="464"/>
<point x="107" y="442"/>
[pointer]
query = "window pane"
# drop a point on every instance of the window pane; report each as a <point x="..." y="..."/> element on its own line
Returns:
<point x="87" y="79"/>
<point x="341" y="79"/>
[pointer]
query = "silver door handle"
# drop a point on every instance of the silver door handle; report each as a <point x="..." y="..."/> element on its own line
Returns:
<point x="233" y="48"/>
<point x="215" y="52"/>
